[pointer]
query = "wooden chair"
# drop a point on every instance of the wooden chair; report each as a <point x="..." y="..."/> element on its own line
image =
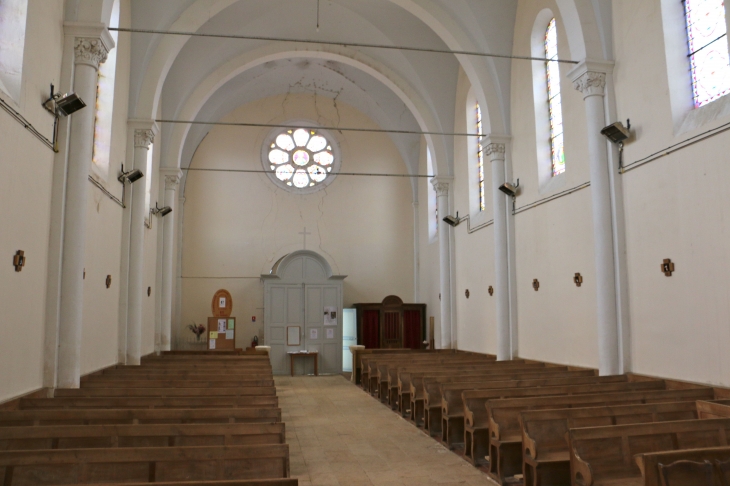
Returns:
<point x="687" y="473"/>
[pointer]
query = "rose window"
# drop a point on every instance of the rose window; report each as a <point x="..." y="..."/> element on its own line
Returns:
<point x="301" y="158"/>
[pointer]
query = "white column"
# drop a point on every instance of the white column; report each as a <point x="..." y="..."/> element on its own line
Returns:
<point x="590" y="79"/>
<point x="494" y="148"/>
<point x="441" y="185"/>
<point x="89" y="52"/>
<point x="143" y="138"/>
<point x="172" y="182"/>
<point x="416" y="254"/>
<point x="180" y="210"/>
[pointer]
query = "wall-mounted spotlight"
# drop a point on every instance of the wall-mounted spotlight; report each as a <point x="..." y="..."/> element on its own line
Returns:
<point x="161" y="211"/>
<point x="63" y="105"/>
<point x="453" y="220"/>
<point x="618" y="133"/>
<point x="132" y="176"/>
<point x="510" y="189"/>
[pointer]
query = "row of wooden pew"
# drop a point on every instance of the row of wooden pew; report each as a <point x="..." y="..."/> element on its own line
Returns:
<point x="542" y="424"/>
<point x="178" y="419"/>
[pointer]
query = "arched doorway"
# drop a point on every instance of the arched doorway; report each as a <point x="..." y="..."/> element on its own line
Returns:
<point x="298" y="291"/>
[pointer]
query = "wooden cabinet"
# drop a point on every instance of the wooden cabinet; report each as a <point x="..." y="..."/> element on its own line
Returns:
<point x="391" y="324"/>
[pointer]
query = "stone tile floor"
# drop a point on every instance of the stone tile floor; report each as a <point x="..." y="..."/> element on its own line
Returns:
<point x="338" y="435"/>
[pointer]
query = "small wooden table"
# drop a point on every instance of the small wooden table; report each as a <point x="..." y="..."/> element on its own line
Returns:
<point x="313" y="353"/>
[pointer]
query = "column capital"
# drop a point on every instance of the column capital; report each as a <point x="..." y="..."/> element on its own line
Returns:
<point x="92" y="42"/>
<point x="441" y="185"/>
<point x="144" y="132"/>
<point x="495" y="147"/>
<point x="589" y="77"/>
<point x="172" y="178"/>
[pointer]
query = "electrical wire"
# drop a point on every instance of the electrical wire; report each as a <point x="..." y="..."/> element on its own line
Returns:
<point x="27" y="125"/>
<point x="341" y="44"/>
<point x="540" y="202"/>
<point x="334" y="129"/>
<point x="673" y="148"/>
<point x="356" y="174"/>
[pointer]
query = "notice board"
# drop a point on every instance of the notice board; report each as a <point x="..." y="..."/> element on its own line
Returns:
<point x="221" y="333"/>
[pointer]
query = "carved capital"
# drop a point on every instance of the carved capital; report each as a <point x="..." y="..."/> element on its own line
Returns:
<point x="495" y="151"/>
<point x="90" y="51"/>
<point x="591" y="83"/>
<point x="144" y="138"/>
<point x="440" y="186"/>
<point x="172" y="182"/>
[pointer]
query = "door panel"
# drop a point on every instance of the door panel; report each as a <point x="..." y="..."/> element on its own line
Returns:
<point x="285" y="309"/>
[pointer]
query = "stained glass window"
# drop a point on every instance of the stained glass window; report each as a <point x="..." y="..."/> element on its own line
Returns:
<point x="105" y="102"/>
<point x="708" y="49"/>
<point x="301" y="158"/>
<point x="480" y="159"/>
<point x="555" y="102"/>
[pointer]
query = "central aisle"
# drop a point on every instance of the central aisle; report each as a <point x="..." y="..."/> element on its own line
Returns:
<point x="338" y="435"/>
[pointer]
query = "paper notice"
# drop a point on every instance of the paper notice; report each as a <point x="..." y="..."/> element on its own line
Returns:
<point x="313" y="334"/>
<point x="330" y="316"/>
<point x="330" y="333"/>
<point x="211" y="343"/>
<point x="221" y="325"/>
<point x="231" y="324"/>
<point x="213" y="335"/>
<point x="229" y="335"/>
<point x="222" y="302"/>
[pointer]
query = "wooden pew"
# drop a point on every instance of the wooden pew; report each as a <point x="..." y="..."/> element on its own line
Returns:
<point x="455" y="396"/>
<point x="362" y="353"/>
<point x="606" y="454"/>
<point x="235" y="482"/>
<point x="365" y="360"/>
<point x="149" y="402"/>
<point x="109" y="436"/>
<point x="16" y="418"/>
<point x="143" y="464"/>
<point x="405" y="376"/>
<point x="713" y="408"/>
<point x="545" y="447"/>
<point x="433" y="395"/>
<point x="428" y="383"/>
<point x="248" y="391"/>
<point x="718" y="457"/>
<point x="125" y="376"/>
<point x="105" y="383"/>
<point x="504" y="435"/>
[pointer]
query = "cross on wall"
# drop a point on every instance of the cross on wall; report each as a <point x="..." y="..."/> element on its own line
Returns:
<point x="305" y="233"/>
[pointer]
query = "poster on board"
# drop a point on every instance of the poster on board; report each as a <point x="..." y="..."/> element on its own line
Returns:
<point x="222" y="325"/>
<point x="330" y="316"/>
<point x="212" y="344"/>
<point x="221" y="302"/>
<point x="313" y="334"/>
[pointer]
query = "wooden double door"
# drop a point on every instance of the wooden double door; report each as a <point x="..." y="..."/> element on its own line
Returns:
<point x="391" y="324"/>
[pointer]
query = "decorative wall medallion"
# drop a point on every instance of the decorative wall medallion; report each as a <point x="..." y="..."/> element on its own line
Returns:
<point x="19" y="260"/>
<point x="149" y="291"/>
<point x="467" y="293"/>
<point x="668" y="267"/>
<point x="578" y="279"/>
<point x="108" y="281"/>
<point x="84" y="277"/>
<point x="439" y="296"/>
<point x="491" y="290"/>
<point x="536" y="284"/>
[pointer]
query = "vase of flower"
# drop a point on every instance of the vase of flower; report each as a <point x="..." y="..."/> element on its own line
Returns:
<point x="197" y="329"/>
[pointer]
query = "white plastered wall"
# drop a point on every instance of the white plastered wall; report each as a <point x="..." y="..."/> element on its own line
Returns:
<point x="25" y="194"/>
<point x="555" y="240"/>
<point x="236" y="226"/>
<point x="676" y="207"/>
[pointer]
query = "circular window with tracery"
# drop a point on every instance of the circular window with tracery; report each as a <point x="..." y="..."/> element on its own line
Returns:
<point x="303" y="160"/>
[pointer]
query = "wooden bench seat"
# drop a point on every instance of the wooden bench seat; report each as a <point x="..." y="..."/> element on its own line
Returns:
<point x="455" y="398"/>
<point x="423" y="386"/>
<point x="238" y="482"/>
<point x="126" y="376"/>
<point x="600" y="455"/>
<point x="245" y="391"/>
<point x="143" y="464"/>
<point x="149" y="402"/>
<point x="713" y="408"/>
<point x="15" y="418"/>
<point x="504" y="433"/>
<point x="433" y="394"/>
<point x="406" y="375"/>
<point x="105" y="383"/>
<point x="717" y="457"/>
<point x="545" y="447"/>
<point x="369" y="363"/>
<point x="109" y="436"/>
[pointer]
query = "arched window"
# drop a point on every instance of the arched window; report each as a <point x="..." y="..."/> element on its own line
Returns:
<point x="13" y="15"/>
<point x="105" y="103"/>
<point x="480" y="158"/>
<point x="148" y="183"/>
<point x="555" y="103"/>
<point x="708" y="49"/>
